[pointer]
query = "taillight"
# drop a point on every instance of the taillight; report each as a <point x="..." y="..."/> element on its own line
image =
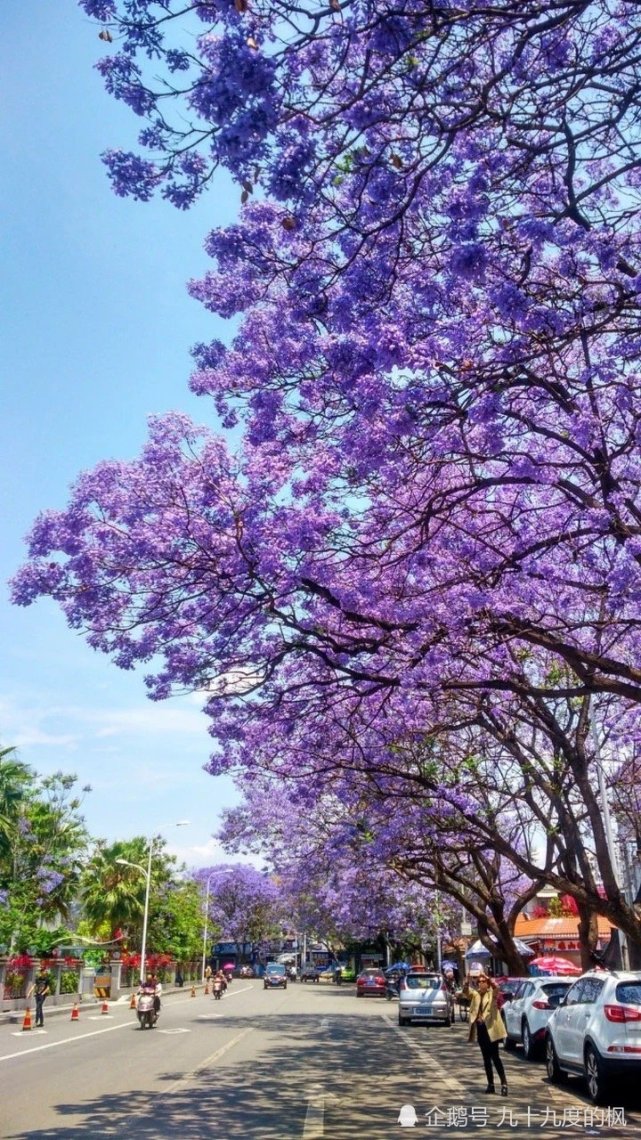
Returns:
<point x="620" y="1013"/>
<point x="538" y="1004"/>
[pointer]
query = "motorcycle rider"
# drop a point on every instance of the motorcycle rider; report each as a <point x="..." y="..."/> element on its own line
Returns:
<point x="220" y="981"/>
<point x="154" y="986"/>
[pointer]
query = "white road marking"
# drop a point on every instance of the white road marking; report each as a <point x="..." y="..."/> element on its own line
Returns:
<point x="314" y="1127"/>
<point x="204" y="1064"/>
<point x="20" y="1032"/>
<point x="66" y="1041"/>
<point x="173" y="1030"/>
<point x="450" y="1082"/>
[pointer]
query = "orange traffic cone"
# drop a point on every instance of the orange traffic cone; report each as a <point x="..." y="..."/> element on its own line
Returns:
<point x="193" y="991"/>
<point x="26" y="1024"/>
<point x="207" y="989"/>
<point x="75" y="1014"/>
<point x="105" y="1007"/>
<point x="132" y="1003"/>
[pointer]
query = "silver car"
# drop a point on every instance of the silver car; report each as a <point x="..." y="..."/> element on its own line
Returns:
<point x="424" y="997"/>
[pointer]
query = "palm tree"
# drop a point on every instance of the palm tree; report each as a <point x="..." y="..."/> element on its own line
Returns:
<point x="15" y="779"/>
<point x="114" y="893"/>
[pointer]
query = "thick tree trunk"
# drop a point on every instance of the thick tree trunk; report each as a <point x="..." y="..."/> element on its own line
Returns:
<point x="588" y="935"/>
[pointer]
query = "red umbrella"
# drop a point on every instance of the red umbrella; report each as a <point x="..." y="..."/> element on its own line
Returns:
<point x="555" y="965"/>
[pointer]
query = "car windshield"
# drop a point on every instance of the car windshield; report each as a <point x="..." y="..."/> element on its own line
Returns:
<point x="555" y="991"/>
<point x="629" y="993"/>
<point x="421" y="982"/>
<point x="275" y="969"/>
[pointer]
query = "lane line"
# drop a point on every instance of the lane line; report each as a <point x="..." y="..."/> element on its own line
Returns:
<point x="314" y="1127"/>
<point x="191" y="1076"/>
<point x="65" y="1041"/>
<point x="94" y="1032"/>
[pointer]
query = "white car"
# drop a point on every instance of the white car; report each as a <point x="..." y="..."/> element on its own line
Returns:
<point x="596" y="1032"/>
<point x="528" y="1011"/>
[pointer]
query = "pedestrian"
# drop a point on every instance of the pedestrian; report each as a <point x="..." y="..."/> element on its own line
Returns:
<point x="180" y="981"/>
<point x="40" y="988"/>
<point x="207" y="973"/>
<point x="487" y="1026"/>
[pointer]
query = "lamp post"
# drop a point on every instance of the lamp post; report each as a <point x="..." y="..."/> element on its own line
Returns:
<point x="145" y="915"/>
<point x="211" y="875"/>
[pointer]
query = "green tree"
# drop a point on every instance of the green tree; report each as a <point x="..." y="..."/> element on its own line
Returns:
<point x="176" y="922"/>
<point x="112" y="888"/>
<point x="45" y="841"/>
<point x="15" y="778"/>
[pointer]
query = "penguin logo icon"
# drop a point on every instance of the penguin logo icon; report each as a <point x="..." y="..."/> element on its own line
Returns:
<point x="407" y="1117"/>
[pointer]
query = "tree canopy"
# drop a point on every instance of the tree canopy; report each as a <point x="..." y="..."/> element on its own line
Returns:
<point x="432" y="526"/>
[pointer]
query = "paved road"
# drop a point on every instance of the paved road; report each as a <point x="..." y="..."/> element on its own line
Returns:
<point x="310" y="1063"/>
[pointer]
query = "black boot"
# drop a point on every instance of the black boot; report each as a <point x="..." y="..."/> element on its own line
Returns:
<point x="503" y="1090"/>
<point x="490" y="1089"/>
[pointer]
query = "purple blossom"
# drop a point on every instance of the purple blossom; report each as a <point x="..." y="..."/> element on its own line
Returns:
<point x="130" y="175"/>
<point x="102" y="10"/>
<point x="469" y="261"/>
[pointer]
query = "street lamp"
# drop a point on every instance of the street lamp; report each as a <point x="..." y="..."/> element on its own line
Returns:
<point x="211" y="875"/>
<point x="145" y="916"/>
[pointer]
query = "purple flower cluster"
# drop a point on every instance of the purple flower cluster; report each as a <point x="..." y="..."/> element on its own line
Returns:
<point x="422" y="560"/>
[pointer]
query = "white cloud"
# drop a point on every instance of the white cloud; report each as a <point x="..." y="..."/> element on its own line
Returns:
<point x="27" y="723"/>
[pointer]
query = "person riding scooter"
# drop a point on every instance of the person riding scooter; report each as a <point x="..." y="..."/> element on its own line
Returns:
<point x="219" y="984"/>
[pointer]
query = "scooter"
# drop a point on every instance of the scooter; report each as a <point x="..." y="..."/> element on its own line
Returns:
<point x="147" y="1014"/>
<point x="392" y="988"/>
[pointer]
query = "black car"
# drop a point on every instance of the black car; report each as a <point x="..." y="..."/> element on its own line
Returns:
<point x="275" y="976"/>
<point x="309" y="974"/>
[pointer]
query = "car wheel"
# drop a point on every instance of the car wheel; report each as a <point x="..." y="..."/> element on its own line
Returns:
<point x="529" y="1047"/>
<point x="555" y="1074"/>
<point x="403" y="1020"/>
<point x="597" y="1085"/>
<point x="509" y="1044"/>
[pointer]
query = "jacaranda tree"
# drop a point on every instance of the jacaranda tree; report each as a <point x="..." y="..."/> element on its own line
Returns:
<point x="436" y="274"/>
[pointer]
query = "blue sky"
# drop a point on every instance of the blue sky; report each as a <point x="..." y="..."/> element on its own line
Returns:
<point x="95" y="331"/>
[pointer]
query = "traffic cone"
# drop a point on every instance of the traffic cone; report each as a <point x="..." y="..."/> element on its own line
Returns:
<point x="193" y="991"/>
<point x="26" y="1024"/>
<point x="132" y="1003"/>
<point x="105" y="1007"/>
<point x="207" y="989"/>
<point x="75" y="1014"/>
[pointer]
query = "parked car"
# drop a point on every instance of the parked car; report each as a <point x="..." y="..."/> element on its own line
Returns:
<point x="371" y="983"/>
<point x="527" y="1011"/>
<point x="309" y="974"/>
<point x="596" y="1032"/>
<point x="275" y="976"/>
<point x="506" y="989"/>
<point x="424" y="996"/>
